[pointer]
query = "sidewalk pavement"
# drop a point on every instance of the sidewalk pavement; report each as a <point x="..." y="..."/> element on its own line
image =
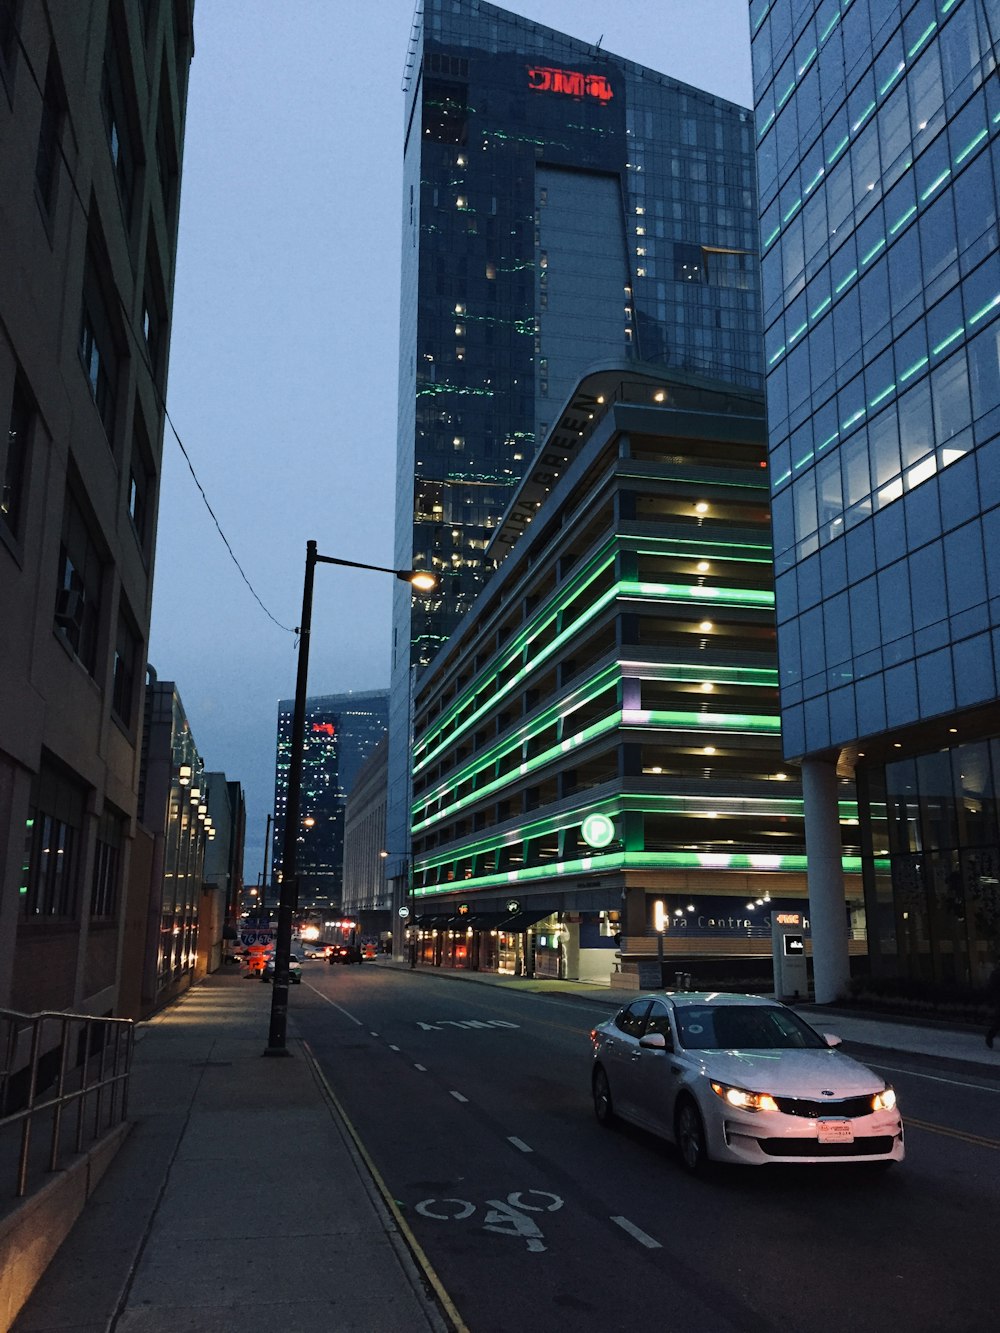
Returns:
<point x="240" y="1200"/>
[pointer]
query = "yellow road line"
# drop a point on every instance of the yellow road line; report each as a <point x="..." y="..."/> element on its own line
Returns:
<point x="447" y="1304"/>
<point x="976" y="1139"/>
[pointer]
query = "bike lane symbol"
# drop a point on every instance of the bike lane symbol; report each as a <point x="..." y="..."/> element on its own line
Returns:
<point x="505" y="1217"/>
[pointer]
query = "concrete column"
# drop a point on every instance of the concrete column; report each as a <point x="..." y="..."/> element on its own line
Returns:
<point x="827" y="904"/>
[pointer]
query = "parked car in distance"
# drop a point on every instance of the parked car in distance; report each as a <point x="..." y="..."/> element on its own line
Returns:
<point x="294" y="970"/>
<point x="345" y="953"/>
<point x="740" y="1078"/>
<point x="316" y="950"/>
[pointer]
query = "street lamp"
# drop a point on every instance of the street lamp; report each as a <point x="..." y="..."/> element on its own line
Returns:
<point x="408" y="913"/>
<point x="288" y="898"/>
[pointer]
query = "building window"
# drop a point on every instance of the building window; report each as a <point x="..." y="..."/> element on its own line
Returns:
<point x="49" y="888"/>
<point x="98" y="350"/>
<point x="116" y="123"/>
<point x="14" y="461"/>
<point x="50" y="135"/>
<point x="105" y="889"/>
<point x="127" y="653"/>
<point x="78" y="599"/>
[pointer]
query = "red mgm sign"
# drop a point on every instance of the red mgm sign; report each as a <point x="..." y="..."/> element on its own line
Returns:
<point x="570" y="82"/>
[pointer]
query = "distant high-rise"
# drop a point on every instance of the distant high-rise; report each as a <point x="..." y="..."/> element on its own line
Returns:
<point x="879" y="186"/>
<point x="562" y="207"/>
<point x="342" y="730"/>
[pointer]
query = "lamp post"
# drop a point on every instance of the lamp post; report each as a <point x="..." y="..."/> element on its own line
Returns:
<point x="288" y="897"/>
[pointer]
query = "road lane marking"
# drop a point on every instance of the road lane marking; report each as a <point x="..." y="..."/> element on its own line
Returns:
<point x="977" y="1140"/>
<point x="458" y="1096"/>
<point x="450" y="1309"/>
<point x="373" y="1034"/>
<point x="637" y="1234"/>
<point x="934" y="1078"/>
<point x="393" y="1048"/>
<point x="339" y="1007"/>
<point x="422" y="1068"/>
<point x="518" y="1143"/>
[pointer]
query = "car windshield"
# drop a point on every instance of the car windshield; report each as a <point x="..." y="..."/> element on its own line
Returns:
<point x="754" y="1027"/>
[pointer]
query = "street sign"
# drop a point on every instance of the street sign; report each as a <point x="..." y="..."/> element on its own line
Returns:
<point x="597" y="831"/>
<point x="404" y="912"/>
<point x="513" y="906"/>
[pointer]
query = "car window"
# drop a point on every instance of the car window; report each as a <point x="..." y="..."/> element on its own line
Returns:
<point x="632" y="1018"/>
<point x="659" y="1021"/>
<point x="745" y="1027"/>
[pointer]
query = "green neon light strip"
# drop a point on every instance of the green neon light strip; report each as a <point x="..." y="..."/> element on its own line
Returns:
<point x="601" y="561"/>
<point x="934" y="185"/>
<point x="616" y="807"/>
<point x="707" y="724"/>
<point x="580" y="696"/>
<point x="879" y="396"/>
<point x="692" y="595"/>
<point x="990" y="305"/>
<point x="602" y="862"/>
<point x="921" y="39"/>
<point x="905" y="218"/>
<point x="689" y="548"/>
<point x="675" y="673"/>
<point x="969" y="146"/>
<point x="917" y="365"/>
<point x="689" y="593"/>
<point x="948" y="341"/>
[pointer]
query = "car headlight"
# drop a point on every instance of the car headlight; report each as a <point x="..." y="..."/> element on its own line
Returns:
<point x="884" y="1100"/>
<point x="745" y="1101"/>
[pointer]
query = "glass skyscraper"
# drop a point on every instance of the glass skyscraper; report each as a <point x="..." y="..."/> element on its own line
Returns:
<point x="876" y="126"/>
<point x="562" y="207"/>
<point x="342" y="730"/>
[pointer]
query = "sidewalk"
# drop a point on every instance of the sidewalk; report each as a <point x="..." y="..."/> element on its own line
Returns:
<point x="240" y="1202"/>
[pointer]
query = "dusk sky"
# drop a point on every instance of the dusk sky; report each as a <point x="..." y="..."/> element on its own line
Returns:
<point x="283" y="362"/>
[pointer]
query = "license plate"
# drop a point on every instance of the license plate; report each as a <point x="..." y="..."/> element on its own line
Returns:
<point x="835" y="1131"/>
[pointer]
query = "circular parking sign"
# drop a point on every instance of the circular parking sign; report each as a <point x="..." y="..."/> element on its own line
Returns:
<point x="404" y="912"/>
<point x="598" y="830"/>
<point x="513" y="906"/>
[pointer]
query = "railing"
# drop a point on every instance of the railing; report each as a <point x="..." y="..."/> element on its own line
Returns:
<point x="55" y="1064"/>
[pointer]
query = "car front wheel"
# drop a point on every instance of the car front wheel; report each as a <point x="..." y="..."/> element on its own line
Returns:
<point x="689" y="1131"/>
<point x="603" y="1105"/>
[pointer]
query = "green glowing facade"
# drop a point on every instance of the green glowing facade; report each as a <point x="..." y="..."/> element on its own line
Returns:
<point x="621" y="662"/>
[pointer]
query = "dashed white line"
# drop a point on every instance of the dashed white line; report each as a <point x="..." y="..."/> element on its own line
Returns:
<point x="393" y="1048"/>
<point x="373" y="1034"/>
<point x="422" y="1068"/>
<point x="637" y="1233"/>
<point x="458" y="1096"/>
<point x="519" y="1143"/>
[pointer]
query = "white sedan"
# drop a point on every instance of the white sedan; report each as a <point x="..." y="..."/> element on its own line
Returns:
<point x="740" y="1078"/>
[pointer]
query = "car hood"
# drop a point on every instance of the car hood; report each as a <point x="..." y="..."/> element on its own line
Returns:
<point x="789" y="1073"/>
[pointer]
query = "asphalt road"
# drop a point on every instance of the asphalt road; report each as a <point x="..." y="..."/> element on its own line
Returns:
<point x="473" y="1103"/>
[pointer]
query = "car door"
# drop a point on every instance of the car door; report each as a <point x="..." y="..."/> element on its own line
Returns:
<point x="620" y="1051"/>
<point x="655" y="1074"/>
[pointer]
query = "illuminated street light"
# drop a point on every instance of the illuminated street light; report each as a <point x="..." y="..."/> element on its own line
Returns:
<point x="288" y="899"/>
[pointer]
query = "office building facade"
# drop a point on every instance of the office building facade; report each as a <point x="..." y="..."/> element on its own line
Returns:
<point x="562" y="207"/>
<point x="341" y="732"/>
<point x="92" y="112"/>
<point x="601" y="733"/>
<point x="878" y="165"/>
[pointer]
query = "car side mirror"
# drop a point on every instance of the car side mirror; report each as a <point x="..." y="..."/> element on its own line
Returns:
<point x="832" y="1039"/>
<point x="655" y="1041"/>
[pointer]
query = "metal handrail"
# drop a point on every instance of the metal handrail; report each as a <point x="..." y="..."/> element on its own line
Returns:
<point x="80" y="1080"/>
